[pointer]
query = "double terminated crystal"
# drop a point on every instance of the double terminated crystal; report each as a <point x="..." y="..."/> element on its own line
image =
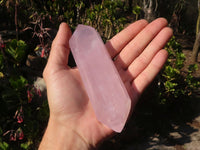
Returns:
<point x="105" y="89"/>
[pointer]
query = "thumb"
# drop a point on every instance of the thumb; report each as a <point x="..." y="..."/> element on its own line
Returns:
<point x="60" y="47"/>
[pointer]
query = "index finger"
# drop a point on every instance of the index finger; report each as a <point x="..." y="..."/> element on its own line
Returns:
<point x="119" y="41"/>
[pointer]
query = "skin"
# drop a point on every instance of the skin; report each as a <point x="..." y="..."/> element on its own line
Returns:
<point x="138" y="55"/>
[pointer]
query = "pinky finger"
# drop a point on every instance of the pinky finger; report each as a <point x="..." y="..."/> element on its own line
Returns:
<point x="147" y="76"/>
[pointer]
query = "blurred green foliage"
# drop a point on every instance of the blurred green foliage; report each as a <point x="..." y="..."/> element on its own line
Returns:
<point x="16" y="49"/>
<point x="177" y="84"/>
<point x="22" y="120"/>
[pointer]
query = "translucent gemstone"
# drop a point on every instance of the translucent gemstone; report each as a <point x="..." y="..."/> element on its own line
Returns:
<point x="105" y="89"/>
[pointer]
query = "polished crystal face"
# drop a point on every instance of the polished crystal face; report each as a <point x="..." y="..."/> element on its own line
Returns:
<point x="105" y="89"/>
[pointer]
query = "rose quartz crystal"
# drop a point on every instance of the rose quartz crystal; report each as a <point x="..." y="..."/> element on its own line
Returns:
<point x="105" y="89"/>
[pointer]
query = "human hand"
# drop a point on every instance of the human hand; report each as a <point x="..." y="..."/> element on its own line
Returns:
<point x="138" y="56"/>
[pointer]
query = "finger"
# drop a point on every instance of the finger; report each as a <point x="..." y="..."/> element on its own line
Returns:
<point x="142" y="61"/>
<point x="147" y="76"/>
<point x="60" y="47"/>
<point x="135" y="47"/>
<point x="118" y="42"/>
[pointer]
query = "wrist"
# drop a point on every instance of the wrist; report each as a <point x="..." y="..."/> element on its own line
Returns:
<point x="58" y="136"/>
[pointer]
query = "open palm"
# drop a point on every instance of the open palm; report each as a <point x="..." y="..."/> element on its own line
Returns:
<point x="138" y="56"/>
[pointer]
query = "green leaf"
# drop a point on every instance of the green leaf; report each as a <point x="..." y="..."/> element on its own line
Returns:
<point x="171" y="72"/>
<point x="193" y="68"/>
<point x="16" y="49"/>
<point x="170" y="86"/>
<point x="4" y="146"/>
<point x="18" y="82"/>
<point x="26" y="145"/>
<point x="136" y="10"/>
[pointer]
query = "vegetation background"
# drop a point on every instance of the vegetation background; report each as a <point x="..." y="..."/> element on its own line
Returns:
<point x="26" y="31"/>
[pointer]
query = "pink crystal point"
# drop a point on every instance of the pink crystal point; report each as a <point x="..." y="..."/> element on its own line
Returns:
<point x="105" y="89"/>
